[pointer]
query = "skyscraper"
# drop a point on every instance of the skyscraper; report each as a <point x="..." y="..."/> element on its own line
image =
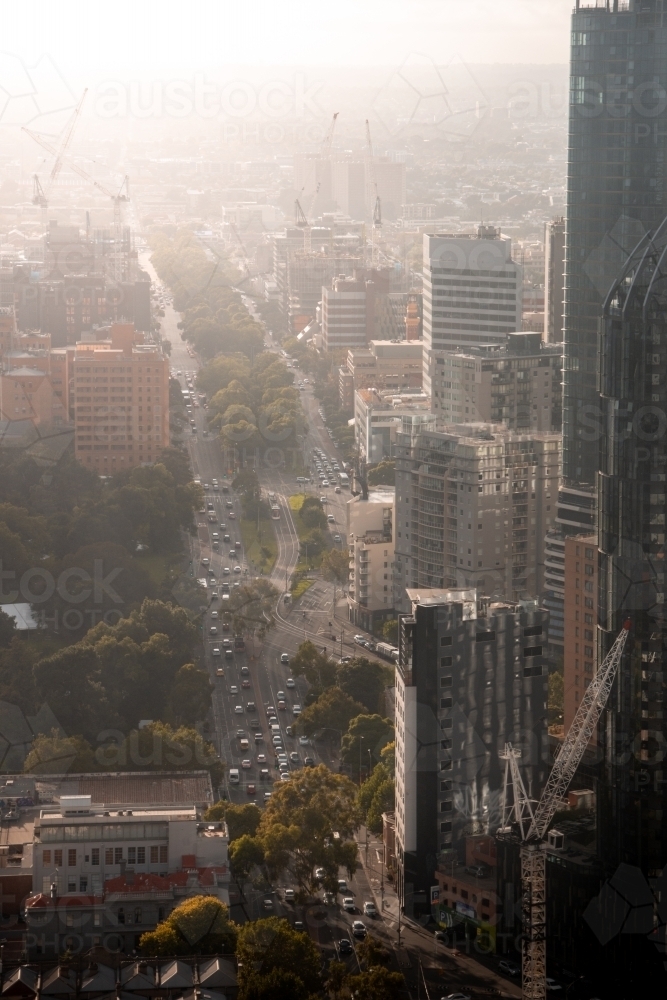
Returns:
<point x="554" y="275"/>
<point x="615" y="188"/>
<point x="631" y="539"/>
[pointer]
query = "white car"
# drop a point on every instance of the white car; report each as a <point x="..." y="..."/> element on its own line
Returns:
<point x="285" y="776"/>
<point x="226" y="571"/>
<point x="233" y="689"/>
<point x="303" y="741"/>
<point x="239" y="710"/>
<point x="348" y="904"/>
<point x="216" y="651"/>
<point x="213" y="630"/>
<point x="360" y="640"/>
<point x="296" y="709"/>
<point x="237" y="569"/>
<point x="370" y="909"/>
<point x="280" y="696"/>
<point x="289" y="895"/>
<point x="290" y="682"/>
<point x="284" y="658"/>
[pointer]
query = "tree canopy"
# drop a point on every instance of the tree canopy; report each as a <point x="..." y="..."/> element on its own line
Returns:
<point x="333" y="710"/>
<point x="199" y="926"/>
<point x="366" y="732"/>
<point x="271" y="954"/>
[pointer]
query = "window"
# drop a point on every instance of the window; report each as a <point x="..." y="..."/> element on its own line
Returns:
<point x="163" y="854"/>
<point x="141" y="855"/>
<point x="118" y="855"/>
<point x="46" y="857"/>
<point x="533" y="630"/>
<point x="121" y="915"/>
<point x="154" y="855"/>
<point x="446" y="640"/>
<point x="445" y="723"/>
<point x="532" y="651"/>
<point x="446" y="682"/>
<point x="108" y="856"/>
<point x="95" y="856"/>
<point x="445" y="827"/>
<point x="485" y="637"/>
<point x="446" y="806"/>
<point x="445" y="703"/>
<point x="137" y="915"/>
<point x="83" y="883"/>
<point x="71" y="858"/>
<point x="71" y="885"/>
<point x="445" y="661"/>
<point x="58" y="858"/>
<point x="131" y="855"/>
<point x="446" y="786"/>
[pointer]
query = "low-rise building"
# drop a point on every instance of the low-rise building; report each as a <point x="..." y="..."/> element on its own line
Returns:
<point x="371" y="548"/>
<point x="378" y="418"/>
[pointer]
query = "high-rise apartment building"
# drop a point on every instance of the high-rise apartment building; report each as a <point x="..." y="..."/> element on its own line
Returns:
<point x="580" y="620"/>
<point x="470" y="677"/>
<point x="472" y="292"/>
<point x="554" y="279"/>
<point x="518" y="385"/>
<point x="370" y="535"/>
<point x="472" y="507"/>
<point x="615" y="189"/>
<point x="120" y="396"/>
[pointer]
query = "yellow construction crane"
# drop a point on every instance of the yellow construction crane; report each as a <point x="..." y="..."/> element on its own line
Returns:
<point x="533" y="824"/>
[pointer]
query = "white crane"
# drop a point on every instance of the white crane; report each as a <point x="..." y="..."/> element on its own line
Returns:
<point x="534" y="823"/>
<point x="40" y="195"/>
<point x="375" y="207"/>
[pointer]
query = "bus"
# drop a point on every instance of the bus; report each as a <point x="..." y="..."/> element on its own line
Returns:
<point x="344" y="479"/>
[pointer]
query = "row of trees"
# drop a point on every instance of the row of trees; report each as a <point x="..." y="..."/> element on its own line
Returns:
<point x="252" y="403"/>
<point x="214" y="318"/>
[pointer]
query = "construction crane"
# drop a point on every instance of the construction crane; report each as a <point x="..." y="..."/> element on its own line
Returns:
<point x="301" y="222"/>
<point x="40" y="196"/>
<point x="376" y="208"/>
<point x="533" y="824"/>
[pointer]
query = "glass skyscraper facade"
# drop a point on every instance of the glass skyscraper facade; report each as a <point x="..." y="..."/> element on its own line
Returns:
<point x="615" y="189"/>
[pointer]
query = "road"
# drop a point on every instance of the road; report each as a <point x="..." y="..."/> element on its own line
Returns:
<point x="259" y="667"/>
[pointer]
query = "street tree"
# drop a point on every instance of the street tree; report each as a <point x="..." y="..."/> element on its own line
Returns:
<point x="245" y="854"/>
<point x="315" y="666"/>
<point x="332" y="712"/>
<point x="252" y="607"/>
<point x="377" y="984"/>
<point x="199" y="926"/>
<point x="271" y="946"/>
<point x="308" y="823"/>
<point x="364" y="680"/>
<point x="335" y="565"/>
<point x="365" y="732"/>
<point x="240" y="819"/>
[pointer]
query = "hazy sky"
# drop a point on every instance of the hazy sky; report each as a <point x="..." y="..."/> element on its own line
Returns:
<point x="139" y="38"/>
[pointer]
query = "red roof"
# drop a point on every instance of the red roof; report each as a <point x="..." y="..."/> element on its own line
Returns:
<point x="140" y="883"/>
<point x="44" y="900"/>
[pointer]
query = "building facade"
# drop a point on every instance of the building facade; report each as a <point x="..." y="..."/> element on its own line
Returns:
<point x="472" y="292"/>
<point x="470" y="677"/>
<point x="370" y="534"/>
<point x="580" y="621"/>
<point x="554" y="279"/>
<point x="472" y="507"/>
<point x="377" y="420"/>
<point x="615" y="189"/>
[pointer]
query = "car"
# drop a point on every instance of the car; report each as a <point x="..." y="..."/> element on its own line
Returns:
<point x="344" y="946"/>
<point x="245" y="683"/>
<point x="245" y="764"/>
<point x="281" y="706"/>
<point x="226" y="538"/>
<point x="250" y="707"/>
<point x="261" y="757"/>
<point x="303" y="741"/>
<point x="268" y="904"/>
<point x="479" y="871"/>
<point x="294" y="757"/>
<point x="320" y="873"/>
<point x="277" y="741"/>
<point x="234" y="775"/>
<point x="216" y="652"/>
<point x="232" y="553"/>
<point x="336" y="538"/>
<point x="552" y="985"/>
<point x="285" y="776"/>
<point x="348" y="904"/>
<point x="359" y="928"/>
<point x="509" y="968"/>
<point x="370" y="909"/>
<point x="296" y="709"/>
<point x="238" y="709"/>
<point x="267" y="796"/>
<point x="237" y="569"/>
<point x="281" y="755"/>
<point x="289" y="895"/>
<point x="250" y="789"/>
<point x="298" y="925"/>
<point x="226" y="571"/>
<point x="360" y="640"/>
<point x="280" y="696"/>
<point x="270" y="711"/>
<point x="337" y="490"/>
<point x="205" y="561"/>
<point x="220" y="671"/>
<point x="283" y="765"/>
<point x="342" y="885"/>
<point x="233" y="689"/>
<point x="284" y="658"/>
<point x="264" y="774"/>
<point x="213" y="630"/>
<point x="323" y="499"/>
<point x="290" y="682"/>
<point x="331" y="519"/>
<point x="288" y="731"/>
<point x="232" y="515"/>
<point x="325" y="482"/>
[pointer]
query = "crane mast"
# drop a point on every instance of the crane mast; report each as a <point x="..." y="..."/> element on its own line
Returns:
<point x="533" y="823"/>
<point x="376" y="210"/>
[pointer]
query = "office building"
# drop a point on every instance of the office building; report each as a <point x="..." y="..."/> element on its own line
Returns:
<point x="470" y="677"/>
<point x="631" y="540"/>
<point x="348" y="187"/>
<point x="472" y="292"/>
<point x="615" y="190"/>
<point x="580" y="620"/>
<point x="518" y="384"/>
<point x="386" y="365"/>
<point x="472" y="507"/>
<point x="377" y="420"/>
<point x="554" y="279"/>
<point x="361" y="308"/>
<point x="370" y="542"/>
<point x="120" y="397"/>
<point x="413" y="316"/>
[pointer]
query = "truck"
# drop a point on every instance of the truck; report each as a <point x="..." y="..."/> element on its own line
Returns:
<point x="387" y="651"/>
<point x="239" y="643"/>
